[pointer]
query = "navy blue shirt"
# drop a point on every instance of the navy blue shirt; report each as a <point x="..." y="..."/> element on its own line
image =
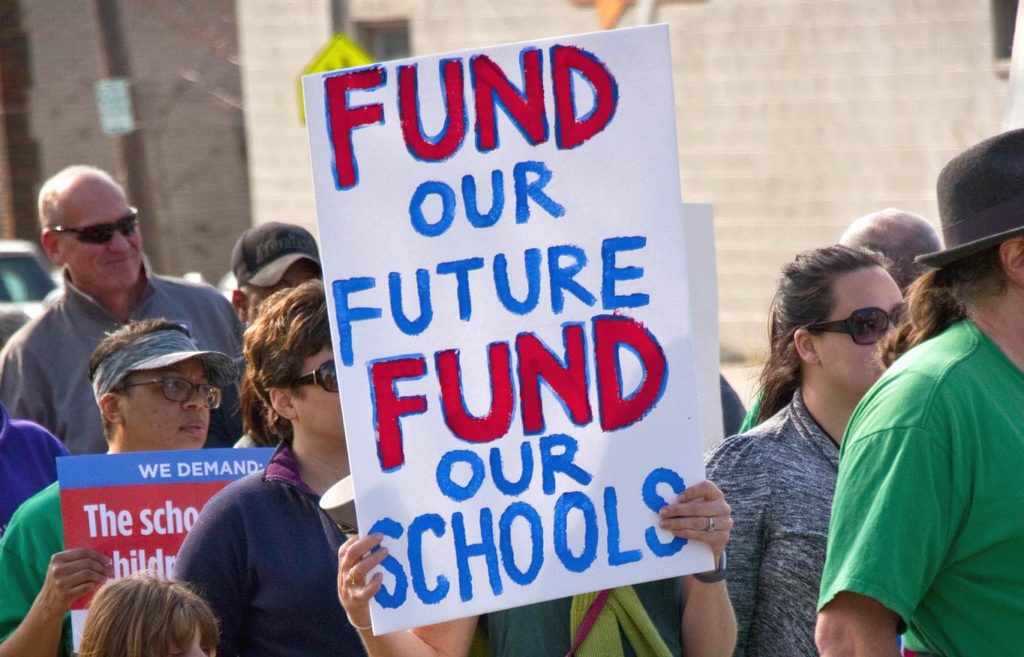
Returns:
<point x="265" y="556"/>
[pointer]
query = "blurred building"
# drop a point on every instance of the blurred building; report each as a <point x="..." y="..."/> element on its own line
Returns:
<point x="186" y="93"/>
<point x="793" y="116"/>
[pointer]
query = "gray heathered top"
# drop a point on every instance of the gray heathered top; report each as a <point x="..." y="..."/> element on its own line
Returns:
<point x="779" y="479"/>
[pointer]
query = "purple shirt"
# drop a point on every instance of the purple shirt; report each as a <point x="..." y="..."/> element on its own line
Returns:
<point x="28" y="462"/>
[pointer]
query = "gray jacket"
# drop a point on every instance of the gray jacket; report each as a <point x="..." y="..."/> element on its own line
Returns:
<point x="44" y="367"/>
<point x="779" y="479"/>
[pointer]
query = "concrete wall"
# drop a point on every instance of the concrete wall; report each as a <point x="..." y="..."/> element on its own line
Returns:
<point x="797" y="116"/>
<point x="277" y="39"/>
<point x="186" y="81"/>
<point x="794" y="116"/>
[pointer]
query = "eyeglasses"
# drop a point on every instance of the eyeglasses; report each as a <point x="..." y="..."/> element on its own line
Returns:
<point x="864" y="325"/>
<point x="326" y="376"/>
<point x="103" y="233"/>
<point x="180" y="390"/>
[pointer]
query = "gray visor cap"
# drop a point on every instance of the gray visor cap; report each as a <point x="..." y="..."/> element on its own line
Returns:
<point x="220" y="369"/>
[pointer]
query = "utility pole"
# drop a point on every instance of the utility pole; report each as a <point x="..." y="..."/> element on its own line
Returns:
<point x="338" y="17"/>
<point x="19" y="152"/>
<point x="130" y="148"/>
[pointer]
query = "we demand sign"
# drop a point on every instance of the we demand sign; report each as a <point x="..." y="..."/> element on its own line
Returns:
<point x="504" y="257"/>
<point x="137" y="508"/>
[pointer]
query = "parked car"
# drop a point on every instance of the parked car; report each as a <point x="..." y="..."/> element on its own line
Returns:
<point x="25" y="278"/>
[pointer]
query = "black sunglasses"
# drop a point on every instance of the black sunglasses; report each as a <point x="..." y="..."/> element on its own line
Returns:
<point x="103" y="233"/>
<point x="864" y="325"/>
<point x="326" y="376"/>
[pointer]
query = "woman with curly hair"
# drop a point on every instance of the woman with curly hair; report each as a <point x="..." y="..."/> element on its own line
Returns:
<point x="262" y="550"/>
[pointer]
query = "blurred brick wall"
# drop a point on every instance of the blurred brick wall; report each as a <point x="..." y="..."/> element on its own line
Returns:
<point x="19" y="154"/>
<point x="797" y="116"/>
<point x="186" y="80"/>
<point x="793" y="116"/>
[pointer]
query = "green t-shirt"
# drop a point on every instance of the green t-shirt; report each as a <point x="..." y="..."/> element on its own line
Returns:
<point x="928" y="516"/>
<point x="35" y="533"/>
<point x="750" y="419"/>
<point x="542" y="629"/>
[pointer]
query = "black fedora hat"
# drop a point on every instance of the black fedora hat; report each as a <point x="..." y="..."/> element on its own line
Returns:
<point x="981" y="198"/>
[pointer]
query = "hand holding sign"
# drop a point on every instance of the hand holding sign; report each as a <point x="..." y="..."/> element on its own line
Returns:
<point x="72" y="574"/>
<point x="133" y="511"/>
<point x="356" y="559"/>
<point x="700" y="513"/>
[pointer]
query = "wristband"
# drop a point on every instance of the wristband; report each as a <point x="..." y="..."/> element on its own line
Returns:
<point x="715" y="575"/>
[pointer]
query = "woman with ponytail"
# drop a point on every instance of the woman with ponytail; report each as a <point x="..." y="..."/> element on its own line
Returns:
<point x="927" y="531"/>
<point x="831" y="308"/>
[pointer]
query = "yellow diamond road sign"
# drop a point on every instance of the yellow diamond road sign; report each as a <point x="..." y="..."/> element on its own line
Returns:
<point x="340" y="52"/>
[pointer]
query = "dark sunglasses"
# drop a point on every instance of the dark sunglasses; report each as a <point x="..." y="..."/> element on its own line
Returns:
<point x="103" y="233"/>
<point x="864" y="325"/>
<point x="326" y="376"/>
<point x="180" y="390"/>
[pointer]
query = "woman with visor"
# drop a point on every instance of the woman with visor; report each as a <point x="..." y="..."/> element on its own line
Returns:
<point x="262" y="552"/>
<point x="831" y="307"/>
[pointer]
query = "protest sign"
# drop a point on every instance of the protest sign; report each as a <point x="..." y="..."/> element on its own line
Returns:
<point x="505" y="261"/>
<point x="1013" y="116"/>
<point x="702" y="285"/>
<point x="138" y="507"/>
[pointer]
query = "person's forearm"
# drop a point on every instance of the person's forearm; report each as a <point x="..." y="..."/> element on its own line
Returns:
<point x="854" y="645"/>
<point x="396" y="644"/>
<point x="853" y="625"/>
<point x="888" y="649"/>
<point x="838" y="638"/>
<point x="38" y="635"/>
<point x="450" y="639"/>
<point x="709" y="625"/>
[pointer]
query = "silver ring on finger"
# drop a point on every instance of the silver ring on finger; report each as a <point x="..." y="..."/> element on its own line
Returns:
<point x="711" y="525"/>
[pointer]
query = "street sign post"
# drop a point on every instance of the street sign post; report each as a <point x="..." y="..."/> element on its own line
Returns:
<point x="340" y="52"/>
<point x="114" y="103"/>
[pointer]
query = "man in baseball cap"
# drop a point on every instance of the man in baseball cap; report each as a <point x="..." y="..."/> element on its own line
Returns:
<point x="927" y="531"/>
<point x="267" y="258"/>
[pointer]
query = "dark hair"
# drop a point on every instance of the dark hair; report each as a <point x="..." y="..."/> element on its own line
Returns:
<point x="943" y="297"/>
<point x="290" y="327"/>
<point x="254" y="413"/>
<point x="804" y="296"/>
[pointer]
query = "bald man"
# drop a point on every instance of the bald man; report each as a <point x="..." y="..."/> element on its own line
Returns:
<point x="93" y="234"/>
<point x="900" y="236"/>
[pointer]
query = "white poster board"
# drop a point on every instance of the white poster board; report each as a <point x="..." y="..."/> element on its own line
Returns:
<point x="1013" y="117"/>
<point x="505" y="261"/>
<point x="702" y="277"/>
